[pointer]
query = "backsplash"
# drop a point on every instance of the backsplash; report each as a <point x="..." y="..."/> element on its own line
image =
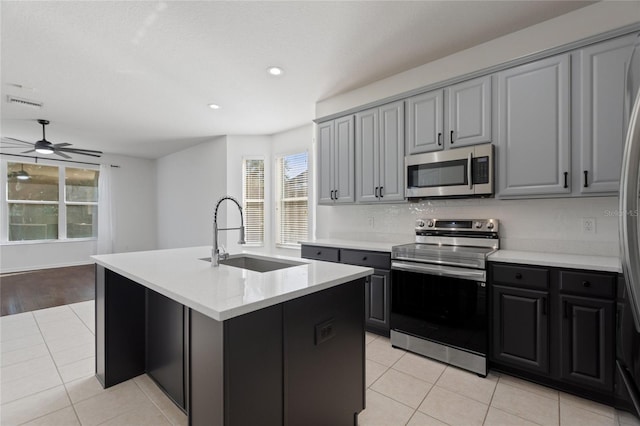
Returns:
<point x="549" y="225"/>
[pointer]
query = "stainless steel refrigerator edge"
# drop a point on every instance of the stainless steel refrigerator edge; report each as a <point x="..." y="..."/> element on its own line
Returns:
<point x="628" y="333"/>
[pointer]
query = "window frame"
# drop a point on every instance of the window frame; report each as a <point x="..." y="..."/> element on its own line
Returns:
<point x="278" y="163"/>
<point x="244" y="199"/>
<point x="61" y="203"/>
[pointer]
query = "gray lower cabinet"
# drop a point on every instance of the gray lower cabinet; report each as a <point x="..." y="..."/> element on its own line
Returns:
<point x="377" y="286"/>
<point x="336" y="160"/>
<point x="380" y="154"/>
<point x="378" y="301"/>
<point x="599" y="114"/>
<point x="555" y="326"/>
<point x="520" y="317"/>
<point x="166" y="334"/>
<point x="534" y="128"/>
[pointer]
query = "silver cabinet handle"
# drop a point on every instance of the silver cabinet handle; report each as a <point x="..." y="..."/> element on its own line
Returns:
<point x="469" y="168"/>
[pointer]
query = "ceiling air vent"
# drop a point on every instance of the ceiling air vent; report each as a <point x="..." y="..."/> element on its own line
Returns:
<point x="24" y="102"/>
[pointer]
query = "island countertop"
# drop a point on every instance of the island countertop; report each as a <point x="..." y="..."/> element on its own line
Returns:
<point x="225" y="292"/>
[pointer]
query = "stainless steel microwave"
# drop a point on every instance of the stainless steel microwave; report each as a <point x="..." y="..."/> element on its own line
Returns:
<point x="460" y="172"/>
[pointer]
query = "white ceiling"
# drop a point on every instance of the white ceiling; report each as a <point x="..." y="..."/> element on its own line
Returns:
<point x="135" y="77"/>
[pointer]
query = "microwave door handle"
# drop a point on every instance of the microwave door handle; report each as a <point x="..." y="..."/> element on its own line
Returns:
<point x="469" y="177"/>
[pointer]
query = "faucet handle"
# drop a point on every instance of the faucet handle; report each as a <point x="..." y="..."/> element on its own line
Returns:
<point x="222" y="253"/>
<point x="242" y="240"/>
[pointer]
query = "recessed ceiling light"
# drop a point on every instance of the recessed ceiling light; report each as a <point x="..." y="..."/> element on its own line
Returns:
<point x="276" y="71"/>
<point x="214" y="106"/>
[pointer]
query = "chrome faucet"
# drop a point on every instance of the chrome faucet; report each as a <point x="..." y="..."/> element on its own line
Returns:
<point x="216" y="256"/>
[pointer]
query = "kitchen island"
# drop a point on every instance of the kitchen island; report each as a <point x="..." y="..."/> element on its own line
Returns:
<point x="232" y="346"/>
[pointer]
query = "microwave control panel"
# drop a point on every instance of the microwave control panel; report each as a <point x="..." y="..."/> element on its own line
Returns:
<point x="480" y="168"/>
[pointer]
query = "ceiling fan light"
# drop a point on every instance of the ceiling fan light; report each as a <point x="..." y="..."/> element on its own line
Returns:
<point x="22" y="175"/>
<point x="43" y="147"/>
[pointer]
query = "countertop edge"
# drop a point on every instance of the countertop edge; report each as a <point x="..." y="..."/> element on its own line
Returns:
<point x="558" y="260"/>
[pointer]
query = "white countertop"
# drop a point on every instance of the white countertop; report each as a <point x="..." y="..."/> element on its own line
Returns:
<point x="355" y="244"/>
<point x="225" y="292"/>
<point x="560" y="260"/>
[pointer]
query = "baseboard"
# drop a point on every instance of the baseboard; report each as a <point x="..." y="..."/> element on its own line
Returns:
<point x="41" y="267"/>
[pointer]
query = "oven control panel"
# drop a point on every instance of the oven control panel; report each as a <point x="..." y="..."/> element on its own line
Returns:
<point x="472" y="225"/>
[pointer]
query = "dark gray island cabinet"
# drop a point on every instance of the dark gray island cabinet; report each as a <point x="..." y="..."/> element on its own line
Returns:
<point x="296" y="362"/>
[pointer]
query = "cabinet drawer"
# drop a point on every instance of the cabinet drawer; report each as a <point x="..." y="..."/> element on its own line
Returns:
<point x="328" y="254"/>
<point x="371" y="259"/>
<point x="521" y="276"/>
<point x="587" y="283"/>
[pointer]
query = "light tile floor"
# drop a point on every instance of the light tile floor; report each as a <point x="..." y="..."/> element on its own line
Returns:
<point x="47" y="365"/>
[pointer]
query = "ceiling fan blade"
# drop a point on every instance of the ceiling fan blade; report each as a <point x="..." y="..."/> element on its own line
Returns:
<point x="80" y="151"/>
<point x="17" y="140"/>
<point x="31" y="150"/>
<point x="61" y="154"/>
<point x="61" y="145"/>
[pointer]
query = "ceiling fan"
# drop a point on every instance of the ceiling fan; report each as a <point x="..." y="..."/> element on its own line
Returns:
<point x="43" y="146"/>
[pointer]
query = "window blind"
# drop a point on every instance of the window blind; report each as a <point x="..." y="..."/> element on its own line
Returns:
<point x="253" y="197"/>
<point x="293" y="177"/>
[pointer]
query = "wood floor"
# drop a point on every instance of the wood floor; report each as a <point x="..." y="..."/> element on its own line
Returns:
<point x="28" y="291"/>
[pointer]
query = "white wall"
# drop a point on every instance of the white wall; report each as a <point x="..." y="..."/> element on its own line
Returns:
<point x="189" y="183"/>
<point x="134" y="194"/>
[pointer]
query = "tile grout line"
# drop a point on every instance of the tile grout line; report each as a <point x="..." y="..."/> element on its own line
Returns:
<point x="153" y="402"/>
<point x="495" y="388"/>
<point x="524" y="390"/>
<point x="57" y="370"/>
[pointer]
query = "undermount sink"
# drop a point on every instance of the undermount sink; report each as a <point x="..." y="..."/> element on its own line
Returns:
<point x="257" y="263"/>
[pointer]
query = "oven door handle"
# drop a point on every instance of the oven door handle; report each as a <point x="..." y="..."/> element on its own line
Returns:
<point x="445" y="271"/>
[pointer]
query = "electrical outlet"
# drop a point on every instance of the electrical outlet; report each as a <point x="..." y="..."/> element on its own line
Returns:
<point x="371" y="222"/>
<point x="588" y="225"/>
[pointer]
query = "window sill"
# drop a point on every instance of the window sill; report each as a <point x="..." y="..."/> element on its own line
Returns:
<point x="289" y="246"/>
<point x="28" y="242"/>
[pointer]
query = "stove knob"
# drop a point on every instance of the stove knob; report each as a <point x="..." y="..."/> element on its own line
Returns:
<point x="490" y="225"/>
<point x="478" y="225"/>
<point x="421" y="224"/>
<point x="430" y="224"/>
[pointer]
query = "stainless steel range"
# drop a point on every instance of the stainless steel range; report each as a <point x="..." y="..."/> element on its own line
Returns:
<point x="439" y="293"/>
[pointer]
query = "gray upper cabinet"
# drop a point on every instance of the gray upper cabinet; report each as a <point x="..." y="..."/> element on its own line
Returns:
<point x="458" y="115"/>
<point x="425" y="122"/>
<point x="598" y="131"/>
<point x="533" y="128"/>
<point x="380" y="154"/>
<point x="468" y="119"/>
<point x="336" y="161"/>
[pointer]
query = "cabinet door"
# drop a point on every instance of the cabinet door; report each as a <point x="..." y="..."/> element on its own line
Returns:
<point x="377" y="302"/>
<point x="367" y="156"/>
<point x="425" y="122"/>
<point x="533" y="128"/>
<point x="325" y="162"/>
<point x="520" y="328"/>
<point x="344" y="160"/>
<point x="602" y="68"/>
<point x="166" y="345"/>
<point x="469" y="112"/>
<point x="392" y="152"/>
<point x="587" y="341"/>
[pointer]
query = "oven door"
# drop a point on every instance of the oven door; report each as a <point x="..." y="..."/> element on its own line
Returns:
<point x="443" y="304"/>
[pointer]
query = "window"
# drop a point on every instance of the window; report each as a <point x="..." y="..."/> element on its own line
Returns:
<point x="40" y="208"/>
<point x="253" y="197"/>
<point x="292" y="176"/>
